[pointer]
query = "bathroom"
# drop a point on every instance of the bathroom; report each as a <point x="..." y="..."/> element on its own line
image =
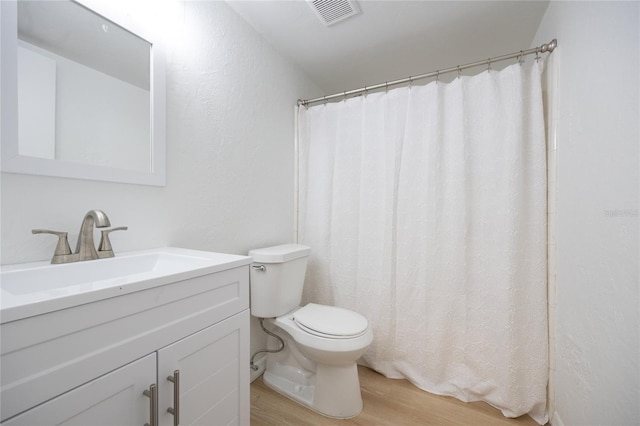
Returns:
<point x="230" y="161"/>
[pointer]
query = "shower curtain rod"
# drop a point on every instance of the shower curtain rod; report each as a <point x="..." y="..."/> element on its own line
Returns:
<point x="548" y="47"/>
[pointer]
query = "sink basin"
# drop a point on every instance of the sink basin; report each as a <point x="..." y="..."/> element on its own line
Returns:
<point x="73" y="277"/>
<point x="35" y="288"/>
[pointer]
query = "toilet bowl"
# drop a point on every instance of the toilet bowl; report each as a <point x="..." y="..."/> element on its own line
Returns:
<point x="319" y="370"/>
<point x="331" y="335"/>
<point x="317" y="365"/>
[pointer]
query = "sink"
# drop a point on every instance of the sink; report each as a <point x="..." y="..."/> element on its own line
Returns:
<point x="36" y="288"/>
<point x="79" y="276"/>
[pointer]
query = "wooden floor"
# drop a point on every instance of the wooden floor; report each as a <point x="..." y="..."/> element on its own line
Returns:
<point x="387" y="402"/>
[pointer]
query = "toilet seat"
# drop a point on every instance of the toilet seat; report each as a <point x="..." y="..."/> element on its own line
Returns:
<point x="330" y="321"/>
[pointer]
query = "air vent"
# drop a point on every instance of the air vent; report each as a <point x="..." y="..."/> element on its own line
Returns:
<point x="333" y="11"/>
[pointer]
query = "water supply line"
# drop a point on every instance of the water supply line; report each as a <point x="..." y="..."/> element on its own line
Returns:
<point x="254" y="367"/>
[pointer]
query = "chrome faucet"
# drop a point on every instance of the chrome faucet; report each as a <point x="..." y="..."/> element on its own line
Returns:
<point x="85" y="247"/>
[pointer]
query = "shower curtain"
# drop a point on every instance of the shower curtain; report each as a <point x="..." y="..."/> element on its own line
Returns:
<point x="425" y="209"/>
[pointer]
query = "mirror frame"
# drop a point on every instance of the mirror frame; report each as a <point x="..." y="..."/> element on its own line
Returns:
<point x="12" y="162"/>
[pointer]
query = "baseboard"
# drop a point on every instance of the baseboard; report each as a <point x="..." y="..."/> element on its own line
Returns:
<point x="555" y="420"/>
<point x="261" y="363"/>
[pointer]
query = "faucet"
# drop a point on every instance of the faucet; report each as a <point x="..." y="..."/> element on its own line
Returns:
<point x="85" y="247"/>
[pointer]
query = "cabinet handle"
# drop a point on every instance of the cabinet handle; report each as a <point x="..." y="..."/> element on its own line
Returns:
<point x="175" y="410"/>
<point x="153" y="409"/>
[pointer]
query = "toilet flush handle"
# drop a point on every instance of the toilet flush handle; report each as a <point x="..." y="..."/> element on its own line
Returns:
<point x="259" y="267"/>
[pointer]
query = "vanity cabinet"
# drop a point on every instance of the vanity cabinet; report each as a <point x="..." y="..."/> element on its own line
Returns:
<point x="96" y="364"/>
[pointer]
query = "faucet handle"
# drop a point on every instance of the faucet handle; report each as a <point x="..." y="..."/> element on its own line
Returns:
<point x="63" y="243"/>
<point x="62" y="254"/>
<point x="104" y="248"/>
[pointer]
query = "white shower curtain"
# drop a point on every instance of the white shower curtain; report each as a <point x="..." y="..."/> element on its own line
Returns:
<point x="425" y="208"/>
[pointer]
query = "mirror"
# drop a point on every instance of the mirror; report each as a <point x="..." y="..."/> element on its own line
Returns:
<point x="82" y="93"/>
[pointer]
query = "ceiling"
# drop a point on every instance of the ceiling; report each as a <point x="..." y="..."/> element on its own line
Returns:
<point x="392" y="39"/>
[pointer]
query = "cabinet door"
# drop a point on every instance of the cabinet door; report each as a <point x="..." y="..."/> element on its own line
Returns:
<point x="116" y="398"/>
<point x="213" y="370"/>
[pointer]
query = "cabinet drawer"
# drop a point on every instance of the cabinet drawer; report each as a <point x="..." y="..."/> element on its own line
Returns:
<point x="47" y="355"/>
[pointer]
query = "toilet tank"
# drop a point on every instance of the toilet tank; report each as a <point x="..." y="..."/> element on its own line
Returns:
<point x="277" y="279"/>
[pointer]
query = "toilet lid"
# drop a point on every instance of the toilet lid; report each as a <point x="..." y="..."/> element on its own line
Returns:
<point x="330" y="321"/>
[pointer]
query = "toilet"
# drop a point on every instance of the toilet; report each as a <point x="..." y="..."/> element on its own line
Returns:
<point x="317" y="365"/>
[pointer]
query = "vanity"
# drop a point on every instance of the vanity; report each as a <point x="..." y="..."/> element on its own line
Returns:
<point x="153" y="337"/>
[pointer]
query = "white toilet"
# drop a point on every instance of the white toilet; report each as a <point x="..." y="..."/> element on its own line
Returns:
<point x="317" y="366"/>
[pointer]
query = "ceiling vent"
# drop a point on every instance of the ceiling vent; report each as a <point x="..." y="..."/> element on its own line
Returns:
<point x="333" y="11"/>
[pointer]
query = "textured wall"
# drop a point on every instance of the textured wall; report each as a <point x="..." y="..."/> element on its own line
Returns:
<point x="597" y="325"/>
<point x="230" y="154"/>
<point x="230" y="167"/>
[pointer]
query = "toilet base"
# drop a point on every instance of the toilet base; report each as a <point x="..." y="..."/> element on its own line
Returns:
<point x="333" y="391"/>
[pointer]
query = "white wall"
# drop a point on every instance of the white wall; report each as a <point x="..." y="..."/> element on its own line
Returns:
<point x="230" y="157"/>
<point x="597" y="325"/>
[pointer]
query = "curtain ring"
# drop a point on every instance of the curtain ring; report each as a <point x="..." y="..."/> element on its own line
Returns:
<point x="459" y="71"/>
<point x="325" y="100"/>
<point x="537" y="54"/>
<point x="410" y="82"/>
<point x="521" y="58"/>
<point x="344" y="96"/>
<point x="437" y="76"/>
<point x="386" y="86"/>
<point x="366" y="91"/>
<point x="489" y="64"/>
